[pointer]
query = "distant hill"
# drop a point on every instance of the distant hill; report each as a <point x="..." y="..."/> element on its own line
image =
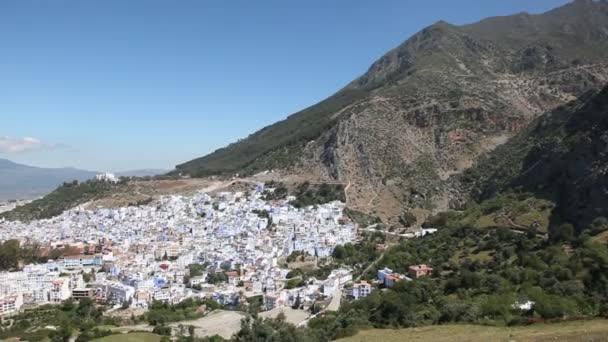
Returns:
<point x="66" y="196"/>
<point x="19" y="181"/>
<point x="430" y="108"/>
<point x="141" y="173"/>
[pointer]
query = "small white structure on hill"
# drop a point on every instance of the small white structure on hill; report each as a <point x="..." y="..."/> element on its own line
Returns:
<point x="107" y="177"/>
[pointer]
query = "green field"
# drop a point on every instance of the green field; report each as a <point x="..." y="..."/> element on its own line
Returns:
<point x="593" y="330"/>
<point x="131" y="337"/>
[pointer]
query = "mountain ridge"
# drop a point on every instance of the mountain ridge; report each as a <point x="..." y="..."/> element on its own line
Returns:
<point x="19" y="181"/>
<point x="430" y="107"/>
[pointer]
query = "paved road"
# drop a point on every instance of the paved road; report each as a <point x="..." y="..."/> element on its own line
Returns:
<point x="334" y="305"/>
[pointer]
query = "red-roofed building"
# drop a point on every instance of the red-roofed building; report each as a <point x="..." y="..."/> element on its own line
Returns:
<point x="233" y="278"/>
<point x="391" y="279"/>
<point x="417" y="271"/>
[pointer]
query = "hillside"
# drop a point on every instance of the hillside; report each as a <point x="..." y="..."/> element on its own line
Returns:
<point x="92" y="194"/>
<point x="430" y="107"/>
<point x="19" y="181"/>
<point x="561" y="157"/>
<point x="480" y="277"/>
<point x="66" y="196"/>
<point x="141" y="173"/>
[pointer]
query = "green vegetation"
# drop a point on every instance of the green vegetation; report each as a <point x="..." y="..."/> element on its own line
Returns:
<point x="216" y="277"/>
<point x="131" y="337"/>
<point x="586" y="330"/>
<point x="512" y="210"/>
<point x="295" y="282"/>
<point x="63" y="198"/>
<point x="255" y="328"/>
<point x="362" y="219"/>
<point x="307" y="194"/>
<point x="360" y="254"/>
<point x="553" y="159"/>
<point x="320" y="273"/>
<point x="194" y="270"/>
<point x="12" y="254"/>
<point x="161" y="313"/>
<point x="480" y="276"/>
<point x="296" y="256"/>
<point x="407" y="219"/>
<point x="279" y="193"/>
<point x="69" y="318"/>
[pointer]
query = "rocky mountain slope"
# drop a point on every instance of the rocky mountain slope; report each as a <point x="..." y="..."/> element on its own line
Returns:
<point x="562" y="157"/>
<point x="430" y="107"/>
<point x="19" y="181"/>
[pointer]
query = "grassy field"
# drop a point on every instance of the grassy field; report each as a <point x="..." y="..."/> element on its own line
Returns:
<point x="594" y="330"/>
<point x="131" y="337"/>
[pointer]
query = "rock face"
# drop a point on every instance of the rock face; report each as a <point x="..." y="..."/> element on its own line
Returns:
<point x="428" y="109"/>
<point x="562" y="156"/>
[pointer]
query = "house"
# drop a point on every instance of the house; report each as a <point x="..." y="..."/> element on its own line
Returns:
<point x="60" y="290"/>
<point x="233" y="278"/>
<point x="226" y="297"/>
<point x="119" y="293"/>
<point x="270" y="301"/>
<point x="82" y="260"/>
<point x="417" y="271"/>
<point x="76" y="281"/>
<point x="391" y="279"/>
<point x="80" y="293"/>
<point x="330" y="286"/>
<point x="194" y="281"/>
<point x="383" y="273"/>
<point x="141" y="298"/>
<point x="11" y="303"/>
<point x="360" y="290"/>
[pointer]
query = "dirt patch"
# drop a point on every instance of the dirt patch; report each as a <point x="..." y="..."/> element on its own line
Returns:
<point x="219" y="322"/>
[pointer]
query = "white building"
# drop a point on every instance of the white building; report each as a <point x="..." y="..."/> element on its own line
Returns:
<point x="11" y="303"/>
<point x="360" y="290"/>
<point x="107" y="177"/>
<point x="60" y="290"/>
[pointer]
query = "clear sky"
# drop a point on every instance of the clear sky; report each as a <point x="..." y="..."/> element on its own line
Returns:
<point x="127" y="84"/>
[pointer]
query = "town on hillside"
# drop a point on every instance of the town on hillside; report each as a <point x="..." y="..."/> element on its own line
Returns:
<point x="226" y="247"/>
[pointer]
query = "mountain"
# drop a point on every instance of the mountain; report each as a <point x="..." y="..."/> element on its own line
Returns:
<point x="19" y="181"/>
<point x="430" y="108"/>
<point x="561" y="157"/>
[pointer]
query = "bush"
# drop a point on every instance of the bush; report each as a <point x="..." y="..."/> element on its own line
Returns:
<point x="162" y="330"/>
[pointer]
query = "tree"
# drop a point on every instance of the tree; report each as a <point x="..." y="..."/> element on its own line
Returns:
<point x="297" y="303"/>
<point x="62" y="334"/>
<point x="162" y="330"/>
<point x="339" y="252"/>
<point x="563" y="233"/>
<point x="407" y="219"/>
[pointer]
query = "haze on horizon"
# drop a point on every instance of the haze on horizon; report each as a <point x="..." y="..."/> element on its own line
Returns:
<point x="116" y="86"/>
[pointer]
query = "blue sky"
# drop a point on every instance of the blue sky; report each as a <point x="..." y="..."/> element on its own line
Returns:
<point x="118" y="85"/>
